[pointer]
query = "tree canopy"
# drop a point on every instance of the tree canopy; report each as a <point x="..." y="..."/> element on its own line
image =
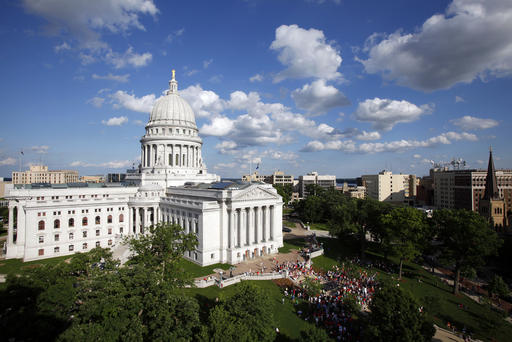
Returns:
<point x="408" y="233"/>
<point x="466" y="239"/>
<point x="395" y="316"/>
<point x="244" y="316"/>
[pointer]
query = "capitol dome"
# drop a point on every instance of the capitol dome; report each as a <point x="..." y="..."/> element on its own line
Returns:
<point x="171" y="109"/>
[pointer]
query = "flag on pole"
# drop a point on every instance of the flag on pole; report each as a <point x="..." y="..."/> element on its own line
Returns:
<point x="22" y="153"/>
<point x="258" y="166"/>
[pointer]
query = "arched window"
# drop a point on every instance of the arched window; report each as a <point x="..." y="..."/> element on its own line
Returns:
<point x="121" y="218"/>
<point x="84" y="221"/>
<point x="56" y="224"/>
<point x="40" y="225"/>
<point x="97" y="220"/>
<point x="109" y="219"/>
<point x="71" y="222"/>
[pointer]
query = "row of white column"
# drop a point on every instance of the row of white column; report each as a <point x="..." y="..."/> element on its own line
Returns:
<point x="177" y="155"/>
<point x="143" y="218"/>
<point x="250" y="226"/>
<point x="189" y="224"/>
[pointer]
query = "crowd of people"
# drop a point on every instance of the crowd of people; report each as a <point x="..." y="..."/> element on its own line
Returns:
<point x="330" y="308"/>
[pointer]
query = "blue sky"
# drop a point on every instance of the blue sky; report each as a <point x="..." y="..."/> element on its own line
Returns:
<point x="340" y="87"/>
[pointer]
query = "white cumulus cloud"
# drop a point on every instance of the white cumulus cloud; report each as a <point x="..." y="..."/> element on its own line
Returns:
<point x="256" y="78"/>
<point x="116" y="164"/>
<point x="385" y="113"/>
<point x="8" y="161"/>
<point x="472" y="39"/>
<point x="204" y="102"/>
<point x="391" y="146"/>
<point x="42" y="149"/>
<point x="368" y="136"/>
<point x="142" y="104"/>
<point x="86" y="21"/>
<point x="115" y="121"/>
<point x="219" y="126"/>
<point x="128" y="58"/>
<point x="305" y="53"/>
<point x="318" y="97"/>
<point x="470" y="123"/>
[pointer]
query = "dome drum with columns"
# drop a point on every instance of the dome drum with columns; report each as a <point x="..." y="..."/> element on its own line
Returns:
<point x="171" y="147"/>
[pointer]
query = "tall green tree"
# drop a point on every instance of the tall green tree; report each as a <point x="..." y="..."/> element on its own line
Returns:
<point x="466" y="240"/>
<point x="245" y="316"/>
<point x="497" y="287"/>
<point x="161" y="249"/>
<point x="314" y="334"/>
<point x="285" y="191"/>
<point x="356" y="217"/>
<point x="395" y="316"/>
<point x="408" y="233"/>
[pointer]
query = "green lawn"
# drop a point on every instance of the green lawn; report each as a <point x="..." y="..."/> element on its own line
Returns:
<point x="285" y="316"/>
<point x="287" y="211"/>
<point x="479" y="319"/>
<point x="197" y="271"/>
<point x="289" y="224"/>
<point x="15" y="266"/>
<point x="288" y="245"/>
<point x="318" y="226"/>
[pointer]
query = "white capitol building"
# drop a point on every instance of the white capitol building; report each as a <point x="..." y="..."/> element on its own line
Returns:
<point x="232" y="221"/>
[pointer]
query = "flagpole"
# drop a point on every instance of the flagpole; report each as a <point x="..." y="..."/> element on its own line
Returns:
<point x="250" y="170"/>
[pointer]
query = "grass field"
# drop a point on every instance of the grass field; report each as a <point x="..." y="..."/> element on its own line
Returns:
<point x="318" y="226"/>
<point x="16" y="266"/>
<point x="483" y="322"/>
<point x="288" y="245"/>
<point x="285" y="316"/>
<point x="289" y="224"/>
<point x="197" y="271"/>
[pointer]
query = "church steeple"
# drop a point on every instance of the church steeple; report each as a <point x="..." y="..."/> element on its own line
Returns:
<point x="491" y="185"/>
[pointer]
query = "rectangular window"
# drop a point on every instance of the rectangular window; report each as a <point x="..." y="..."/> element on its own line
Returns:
<point x="110" y="242"/>
<point x="97" y="243"/>
<point x="84" y="245"/>
<point x="71" y="248"/>
<point x="56" y="250"/>
<point x="56" y="237"/>
<point x="71" y="236"/>
<point x="97" y="232"/>
<point x="41" y="252"/>
<point x="41" y="239"/>
<point x="121" y="230"/>
<point x="84" y="234"/>
<point x="110" y="231"/>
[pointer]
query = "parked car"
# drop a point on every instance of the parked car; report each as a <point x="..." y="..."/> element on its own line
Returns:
<point x="286" y="229"/>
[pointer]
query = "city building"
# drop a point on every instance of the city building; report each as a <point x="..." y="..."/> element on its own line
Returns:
<point x="116" y="177"/>
<point x="278" y="177"/>
<point x="92" y="179"/>
<point x="325" y="181"/>
<point x="41" y="174"/>
<point x="233" y="221"/>
<point x="254" y="177"/>
<point x="463" y="189"/>
<point x="3" y="183"/>
<point x="389" y="187"/>
<point x="352" y="190"/>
